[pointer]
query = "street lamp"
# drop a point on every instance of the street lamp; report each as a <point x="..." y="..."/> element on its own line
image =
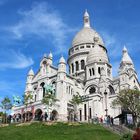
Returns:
<point x="106" y="110"/>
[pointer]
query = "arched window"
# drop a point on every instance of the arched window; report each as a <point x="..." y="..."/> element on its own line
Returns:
<point x="35" y="97"/>
<point x="99" y="70"/>
<point x="54" y="86"/>
<point x="93" y="71"/>
<point x="77" y="65"/>
<point x="92" y="90"/>
<point x="72" y="67"/>
<point x="90" y="72"/>
<point x="82" y="64"/>
<point x="108" y="72"/>
<point x="71" y="91"/>
<point x="69" y="70"/>
<point x="42" y="85"/>
<point x="111" y="89"/>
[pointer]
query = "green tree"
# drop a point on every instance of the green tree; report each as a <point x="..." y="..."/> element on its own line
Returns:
<point x="6" y="105"/>
<point x="27" y="100"/>
<point x="75" y="101"/>
<point x="129" y="100"/>
<point x="49" y="100"/>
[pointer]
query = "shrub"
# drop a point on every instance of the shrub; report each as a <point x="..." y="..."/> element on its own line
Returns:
<point x="127" y="136"/>
<point x="138" y="125"/>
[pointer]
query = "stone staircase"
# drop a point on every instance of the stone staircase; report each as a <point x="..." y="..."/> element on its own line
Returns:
<point x="119" y="129"/>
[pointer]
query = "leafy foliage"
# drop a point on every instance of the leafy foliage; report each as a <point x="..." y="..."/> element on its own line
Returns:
<point x="127" y="136"/>
<point x="27" y="98"/>
<point x="129" y="100"/>
<point x="6" y="105"/>
<point x="76" y="100"/>
<point x="1" y="113"/>
<point x="49" y="99"/>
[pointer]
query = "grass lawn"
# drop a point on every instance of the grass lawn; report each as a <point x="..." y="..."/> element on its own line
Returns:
<point x="39" y="131"/>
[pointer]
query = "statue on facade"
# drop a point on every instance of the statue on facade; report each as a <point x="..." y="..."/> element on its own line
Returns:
<point x="49" y="89"/>
<point x="16" y="100"/>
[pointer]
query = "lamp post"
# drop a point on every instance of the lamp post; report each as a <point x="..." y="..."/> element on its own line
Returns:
<point x="106" y="110"/>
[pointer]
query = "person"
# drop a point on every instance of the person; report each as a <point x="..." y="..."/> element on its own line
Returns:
<point x="105" y="120"/>
<point x="14" y="118"/>
<point x="101" y="120"/>
<point x="108" y="120"/>
<point x="9" y="119"/>
<point x="46" y="116"/>
<point x="41" y="117"/>
<point x="17" y="117"/>
<point x="112" y="121"/>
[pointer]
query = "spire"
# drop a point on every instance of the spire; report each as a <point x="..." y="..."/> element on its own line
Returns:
<point x="50" y="55"/>
<point x="126" y="58"/>
<point x="62" y="60"/>
<point x="31" y="72"/>
<point x="45" y="55"/>
<point x="86" y="19"/>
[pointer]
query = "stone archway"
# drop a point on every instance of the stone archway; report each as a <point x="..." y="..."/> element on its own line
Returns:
<point x="38" y="114"/>
<point x="53" y="115"/>
<point x="16" y="117"/>
<point x="29" y="115"/>
<point x="70" y="115"/>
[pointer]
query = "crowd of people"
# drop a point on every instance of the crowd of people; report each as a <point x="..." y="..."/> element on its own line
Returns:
<point x="108" y="120"/>
<point x="15" y="118"/>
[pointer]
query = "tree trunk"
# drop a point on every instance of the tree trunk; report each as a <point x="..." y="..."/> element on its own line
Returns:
<point x="135" y="120"/>
<point x="75" y="113"/>
<point x="5" y="117"/>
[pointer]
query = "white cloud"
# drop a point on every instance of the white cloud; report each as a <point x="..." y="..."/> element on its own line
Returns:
<point x="13" y="59"/>
<point x="43" y="21"/>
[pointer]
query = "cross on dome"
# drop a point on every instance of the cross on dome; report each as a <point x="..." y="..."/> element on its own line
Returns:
<point x="86" y="19"/>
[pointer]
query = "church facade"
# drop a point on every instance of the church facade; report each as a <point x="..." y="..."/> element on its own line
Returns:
<point x="90" y="75"/>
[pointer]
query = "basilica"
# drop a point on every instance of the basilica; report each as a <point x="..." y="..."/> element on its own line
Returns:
<point x="90" y="75"/>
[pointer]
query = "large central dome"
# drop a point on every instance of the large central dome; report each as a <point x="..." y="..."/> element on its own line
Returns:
<point x="86" y="34"/>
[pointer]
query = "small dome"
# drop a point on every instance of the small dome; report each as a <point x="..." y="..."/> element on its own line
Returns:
<point x="86" y="35"/>
<point x="31" y="72"/>
<point x="126" y="58"/>
<point x="97" y="54"/>
<point x="62" y="60"/>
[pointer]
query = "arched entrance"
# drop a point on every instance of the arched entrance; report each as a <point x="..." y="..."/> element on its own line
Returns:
<point x="18" y="117"/>
<point x="53" y="115"/>
<point x="27" y="116"/>
<point x="38" y="114"/>
<point x="70" y="115"/>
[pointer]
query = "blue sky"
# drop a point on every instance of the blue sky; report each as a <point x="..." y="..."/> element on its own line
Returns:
<point x="30" y="28"/>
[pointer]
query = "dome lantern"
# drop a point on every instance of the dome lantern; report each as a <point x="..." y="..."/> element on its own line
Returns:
<point x="86" y="19"/>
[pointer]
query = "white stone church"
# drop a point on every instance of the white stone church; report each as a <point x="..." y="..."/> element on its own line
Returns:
<point x="90" y="75"/>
